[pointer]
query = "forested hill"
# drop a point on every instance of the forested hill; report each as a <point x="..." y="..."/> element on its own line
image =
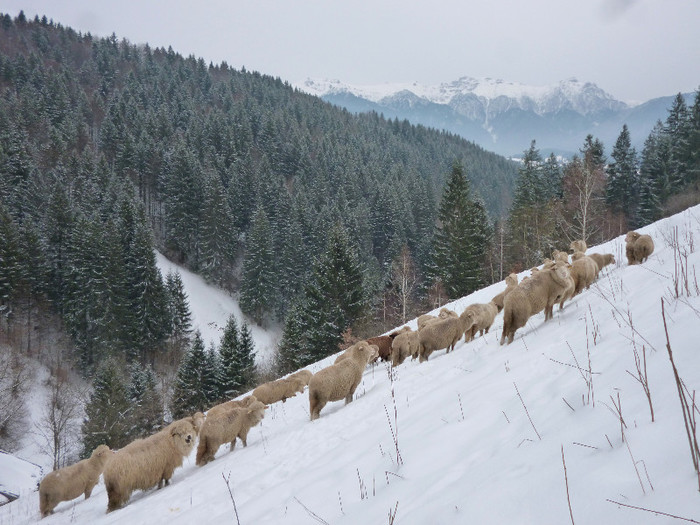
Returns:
<point x="101" y="139"/>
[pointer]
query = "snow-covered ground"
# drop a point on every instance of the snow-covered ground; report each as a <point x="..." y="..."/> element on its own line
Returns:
<point x="479" y="435"/>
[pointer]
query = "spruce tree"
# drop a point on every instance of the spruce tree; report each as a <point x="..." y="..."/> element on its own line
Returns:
<point x="293" y="351"/>
<point x="179" y="310"/>
<point x="461" y="238"/>
<point x="622" y="192"/>
<point x="229" y="349"/>
<point x="107" y="410"/>
<point x="258" y="288"/>
<point x="191" y="391"/>
<point x="146" y="403"/>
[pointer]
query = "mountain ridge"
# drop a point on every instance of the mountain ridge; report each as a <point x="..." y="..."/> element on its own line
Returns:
<point x="504" y="116"/>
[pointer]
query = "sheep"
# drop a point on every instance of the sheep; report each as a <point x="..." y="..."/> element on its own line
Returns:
<point x="602" y="259"/>
<point x="531" y="296"/>
<point x="558" y="256"/>
<point x="339" y="380"/>
<point x="638" y="247"/>
<point x="304" y="375"/>
<point x="584" y="271"/>
<point x="578" y="246"/>
<point x="511" y="283"/>
<point x="443" y="333"/>
<point x="225" y="426"/>
<point x="484" y="314"/>
<point x="233" y="403"/>
<point x="405" y="344"/>
<point x="69" y="482"/>
<point x="576" y="256"/>
<point x="445" y="313"/>
<point x="383" y="342"/>
<point x="279" y="390"/>
<point x="147" y="462"/>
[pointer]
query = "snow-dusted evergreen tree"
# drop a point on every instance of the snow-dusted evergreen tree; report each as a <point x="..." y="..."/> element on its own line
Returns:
<point x="246" y="359"/>
<point x="179" y="310"/>
<point x="622" y="191"/>
<point x="191" y="391"/>
<point x="461" y="238"/>
<point x="236" y="371"/>
<point x="293" y="351"/>
<point x="212" y="367"/>
<point x="678" y="128"/>
<point x="334" y="299"/>
<point x="217" y="236"/>
<point x="146" y="404"/>
<point x="655" y="176"/>
<point x="107" y="410"/>
<point x="259" y="286"/>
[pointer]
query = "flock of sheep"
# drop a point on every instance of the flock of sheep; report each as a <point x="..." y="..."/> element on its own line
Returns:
<point x="151" y="461"/>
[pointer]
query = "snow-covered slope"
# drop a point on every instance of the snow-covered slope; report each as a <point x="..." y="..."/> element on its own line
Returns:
<point x="479" y="435"/>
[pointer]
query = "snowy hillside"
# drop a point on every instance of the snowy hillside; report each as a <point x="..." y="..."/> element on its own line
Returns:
<point x="479" y="435"/>
<point x="211" y="307"/>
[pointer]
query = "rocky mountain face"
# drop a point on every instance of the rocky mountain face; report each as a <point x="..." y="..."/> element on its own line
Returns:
<point x="505" y="116"/>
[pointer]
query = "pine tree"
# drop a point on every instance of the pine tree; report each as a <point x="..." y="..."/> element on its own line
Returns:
<point x="622" y="192"/>
<point x="293" y="351"/>
<point x="678" y="129"/>
<point x="461" y="239"/>
<point x="191" y="391"/>
<point x="228" y="357"/>
<point x="258" y="289"/>
<point x="146" y="403"/>
<point x="335" y="298"/>
<point x="106" y="412"/>
<point x="655" y="177"/>
<point x="179" y="310"/>
<point x="217" y="234"/>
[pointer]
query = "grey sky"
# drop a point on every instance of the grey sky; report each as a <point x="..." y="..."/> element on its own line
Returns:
<point x="633" y="49"/>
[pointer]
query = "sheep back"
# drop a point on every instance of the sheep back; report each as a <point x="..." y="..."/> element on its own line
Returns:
<point x="638" y="247"/>
<point x="145" y="463"/>
<point x="383" y="342"/>
<point x="443" y="334"/>
<point x="227" y="405"/>
<point x="339" y="380"/>
<point x="584" y="271"/>
<point x="511" y="283"/>
<point x="69" y="482"/>
<point x="279" y="390"/>
<point x="225" y="426"/>
<point x="484" y="315"/>
<point x="404" y="344"/>
<point x="304" y="375"/>
<point x="602" y="259"/>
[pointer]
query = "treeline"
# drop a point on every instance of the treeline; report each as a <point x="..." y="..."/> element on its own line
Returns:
<point x="109" y="149"/>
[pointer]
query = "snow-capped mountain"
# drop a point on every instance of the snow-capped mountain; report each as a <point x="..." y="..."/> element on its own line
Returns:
<point x="502" y="116"/>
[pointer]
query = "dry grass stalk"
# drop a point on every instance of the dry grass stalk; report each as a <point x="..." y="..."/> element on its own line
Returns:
<point x="657" y="512"/>
<point x="566" y="480"/>
<point x="230" y="493"/>
<point x="641" y="376"/>
<point x="392" y="516"/>
<point x="526" y="411"/>
<point x="689" y="408"/>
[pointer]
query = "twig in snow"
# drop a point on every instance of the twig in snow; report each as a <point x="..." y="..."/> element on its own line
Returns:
<point x="230" y="493"/>
<point x="657" y="512"/>
<point x="526" y="411"/>
<point x="566" y="479"/>
<point x="311" y="513"/>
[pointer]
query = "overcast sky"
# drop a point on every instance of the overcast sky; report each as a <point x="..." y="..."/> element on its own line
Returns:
<point x="633" y="49"/>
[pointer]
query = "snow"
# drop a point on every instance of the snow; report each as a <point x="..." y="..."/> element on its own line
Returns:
<point x="544" y="98"/>
<point x="479" y="435"/>
<point x="211" y="307"/>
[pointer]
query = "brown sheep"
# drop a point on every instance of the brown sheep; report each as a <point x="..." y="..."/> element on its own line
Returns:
<point x="279" y="390"/>
<point x="383" y="342"/>
<point x="511" y="283"/>
<point x="405" y="344"/>
<point x="69" y="482"/>
<point x="578" y="246"/>
<point x="638" y="247"/>
<point x="145" y="463"/>
<point x="484" y="315"/>
<point x="225" y="426"/>
<point x="540" y="292"/>
<point x="443" y="333"/>
<point x="584" y="271"/>
<point x="602" y="259"/>
<point x="339" y="380"/>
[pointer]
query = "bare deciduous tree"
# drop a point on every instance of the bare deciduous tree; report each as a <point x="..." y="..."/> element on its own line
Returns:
<point x="14" y="383"/>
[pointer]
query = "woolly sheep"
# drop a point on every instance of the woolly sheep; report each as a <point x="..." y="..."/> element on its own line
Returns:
<point x="638" y="247"/>
<point x="443" y="333"/>
<point x="228" y="405"/>
<point x="145" y="463"/>
<point x="339" y="380"/>
<point x="69" y="482"/>
<point x="540" y="292"/>
<point x="511" y="283"/>
<point x="558" y="256"/>
<point x="445" y="313"/>
<point x="383" y="342"/>
<point x="279" y="390"/>
<point x="484" y="315"/>
<point x="405" y="344"/>
<point x="578" y="246"/>
<point x="225" y="426"/>
<point x="602" y="259"/>
<point x="304" y="375"/>
<point x="584" y="271"/>
<point x="576" y="256"/>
